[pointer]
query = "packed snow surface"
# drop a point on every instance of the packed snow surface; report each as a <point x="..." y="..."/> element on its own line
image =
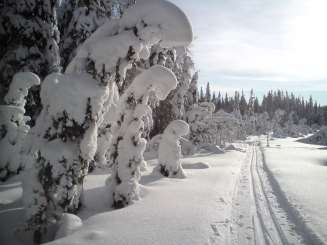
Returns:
<point x="231" y="198"/>
<point x="171" y="211"/>
<point x="300" y="171"/>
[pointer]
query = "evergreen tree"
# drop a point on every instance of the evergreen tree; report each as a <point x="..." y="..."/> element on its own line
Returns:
<point x="78" y="20"/>
<point x="208" y="93"/>
<point x="243" y="104"/>
<point x="29" y="42"/>
<point x="201" y="99"/>
<point x="256" y="106"/>
<point x="213" y="100"/>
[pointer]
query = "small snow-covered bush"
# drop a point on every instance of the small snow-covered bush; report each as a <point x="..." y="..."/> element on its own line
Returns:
<point x="199" y="118"/>
<point x="13" y="127"/>
<point x="170" y="149"/>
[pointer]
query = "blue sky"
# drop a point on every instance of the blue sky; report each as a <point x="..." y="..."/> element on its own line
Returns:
<point x="260" y="44"/>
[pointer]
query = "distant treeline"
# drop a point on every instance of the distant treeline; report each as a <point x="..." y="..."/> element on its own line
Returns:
<point x="271" y="101"/>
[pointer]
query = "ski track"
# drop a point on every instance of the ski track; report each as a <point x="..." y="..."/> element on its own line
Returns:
<point x="257" y="216"/>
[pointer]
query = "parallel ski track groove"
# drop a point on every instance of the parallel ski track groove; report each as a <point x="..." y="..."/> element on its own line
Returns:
<point x="255" y="167"/>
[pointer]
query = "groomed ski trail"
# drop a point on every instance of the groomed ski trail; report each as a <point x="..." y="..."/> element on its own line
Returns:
<point x="257" y="217"/>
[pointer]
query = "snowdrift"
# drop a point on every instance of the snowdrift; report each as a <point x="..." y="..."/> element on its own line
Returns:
<point x="319" y="138"/>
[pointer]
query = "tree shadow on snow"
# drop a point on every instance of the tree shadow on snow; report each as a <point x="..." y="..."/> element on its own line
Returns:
<point x="96" y="200"/>
<point x="196" y="165"/>
<point x="323" y="163"/>
<point x="147" y="179"/>
<point x="10" y="219"/>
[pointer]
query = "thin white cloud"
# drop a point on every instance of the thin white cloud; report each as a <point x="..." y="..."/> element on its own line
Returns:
<point x="280" y="40"/>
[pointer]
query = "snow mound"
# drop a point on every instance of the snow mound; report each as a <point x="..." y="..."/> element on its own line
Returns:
<point x="232" y="147"/>
<point x="319" y="138"/>
<point x="197" y="165"/>
<point x="68" y="224"/>
<point x="212" y="149"/>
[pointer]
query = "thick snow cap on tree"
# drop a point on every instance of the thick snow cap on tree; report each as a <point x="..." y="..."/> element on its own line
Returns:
<point x="158" y="78"/>
<point x="69" y="93"/>
<point x="156" y="21"/>
<point x="178" y="128"/>
<point x="19" y="86"/>
<point x="175" y="28"/>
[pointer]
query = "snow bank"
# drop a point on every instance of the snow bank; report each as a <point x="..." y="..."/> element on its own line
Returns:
<point x="319" y="138"/>
<point x="209" y="148"/>
<point x="68" y="224"/>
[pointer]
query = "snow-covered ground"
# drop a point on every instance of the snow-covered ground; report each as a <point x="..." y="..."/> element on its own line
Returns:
<point x="263" y="195"/>
<point x="299" y="172"/>
<point x="194" y="210"/>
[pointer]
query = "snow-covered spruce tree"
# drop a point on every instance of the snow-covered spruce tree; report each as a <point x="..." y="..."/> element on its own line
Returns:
<point x="128" y="145"/>
<point x="64" y="143"/>
<point x="170" y="149"/>
<point x="199" y="119"/>
<point x="277" y="122"/>
<point x="173" y="107"/>
<point x="29" y="42"/>
<point x="224" y="127"/>
<point x="192" y="94"/>
<point x="13" y="128"/>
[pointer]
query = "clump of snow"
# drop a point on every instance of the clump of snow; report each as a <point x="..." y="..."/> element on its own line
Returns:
<point x="88" y="144"/>
<point x="319" y="138"/>
<point x="68" y="224"/>
<point x="170" y="149"/>
<point x="19" y="87"/>
<point x="74" y="91"/>
<point x="175" y="28"/>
